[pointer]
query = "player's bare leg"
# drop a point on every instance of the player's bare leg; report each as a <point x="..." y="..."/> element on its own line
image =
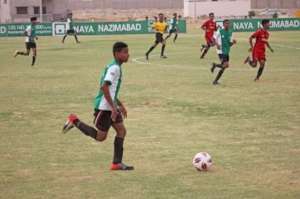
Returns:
<point x="260" y="70"/>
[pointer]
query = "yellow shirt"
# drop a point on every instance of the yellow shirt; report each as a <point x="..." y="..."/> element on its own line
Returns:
<point x="160" y="27"/>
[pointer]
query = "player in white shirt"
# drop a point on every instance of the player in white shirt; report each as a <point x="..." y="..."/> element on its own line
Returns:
<point x="30" y="34"/>
<point x="70" y="29"/>
<point x="109" y="110"/>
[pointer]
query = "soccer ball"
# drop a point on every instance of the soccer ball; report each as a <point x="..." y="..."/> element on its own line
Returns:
<point x="202" y="161"/>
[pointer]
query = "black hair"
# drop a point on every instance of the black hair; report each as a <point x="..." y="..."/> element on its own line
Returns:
<point x="265" y="21"/>
<point x="211" y="14"/>
<point x="160" y="14"/>
<point x="225" y="20"/>
<point x="118" y="46"/>
<point x="33" y="19"/>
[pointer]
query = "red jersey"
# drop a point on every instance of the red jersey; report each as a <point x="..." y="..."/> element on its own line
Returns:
<point x="210" y="27"/>
<point x="261" y="37"/>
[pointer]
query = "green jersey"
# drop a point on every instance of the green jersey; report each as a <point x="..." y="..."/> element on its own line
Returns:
<point x="224" y="39"/>
<point x="173" y="23"/>
<point x="70" y="24"/>
<point x="31" y="33"/>
<point x="113" y="74"/>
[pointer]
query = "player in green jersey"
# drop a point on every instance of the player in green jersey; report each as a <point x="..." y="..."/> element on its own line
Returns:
<point x="109" y="110"/>
<point x="70" y="29"/>
<point x="30" y="34"/>
<point x="224" y="41"/>
<point x="173" y="27"/>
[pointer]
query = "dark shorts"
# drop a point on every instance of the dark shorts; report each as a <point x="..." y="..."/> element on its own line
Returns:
<point x="71" y="32"/>
<point x="103" y="120"/>
<point x="30" y="45"/>
<point x="159" y="37"/>
<point x="224" y="58"/>
<point x="173" y="30"/>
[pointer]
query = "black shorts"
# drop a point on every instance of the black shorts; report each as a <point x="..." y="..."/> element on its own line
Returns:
<point x="172" y="30"/>
<point x="30" y="45"/>
<point x="224" y="58"/>
<point x="159" y="38"/>
<point x="103" y="120"/>
<point x="71" y="32"/>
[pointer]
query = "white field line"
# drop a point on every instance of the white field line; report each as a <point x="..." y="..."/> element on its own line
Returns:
<point x="142" y="61"/>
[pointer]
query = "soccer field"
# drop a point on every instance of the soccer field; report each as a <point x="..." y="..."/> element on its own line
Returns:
<point x="251" y="129"/>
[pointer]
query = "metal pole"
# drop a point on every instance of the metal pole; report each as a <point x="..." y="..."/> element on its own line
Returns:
<point x="41" y="10"/>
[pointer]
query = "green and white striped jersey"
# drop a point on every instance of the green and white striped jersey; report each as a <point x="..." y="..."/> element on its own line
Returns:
<point x="223" y="38"/>
<point x="113" y="74"/>
<point x="69" y="24"/>
<point x="31" y="33"/>
<point x="173" y="23"/>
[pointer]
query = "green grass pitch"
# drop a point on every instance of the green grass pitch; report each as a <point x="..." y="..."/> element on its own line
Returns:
<point x="252" y="130"/>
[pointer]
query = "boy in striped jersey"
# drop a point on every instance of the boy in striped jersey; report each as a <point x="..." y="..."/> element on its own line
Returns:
<point x="70" y="29"/>
<point x="109" y="110"/>
<point x="30" y="34"/>
<point x="174" y="27"/>
<point x="223" y="40"/>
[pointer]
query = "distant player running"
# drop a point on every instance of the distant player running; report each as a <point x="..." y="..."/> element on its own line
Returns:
<point x="209" y="27"/>
<point x="261" y="37"/>
<point x="109" y="110"/>
<point x="70" y="29"/>
<point x="224" y="41"/>
<point x="160" y="27"/>
<point x="30" y="34"/>
<point x="174" y="27"/>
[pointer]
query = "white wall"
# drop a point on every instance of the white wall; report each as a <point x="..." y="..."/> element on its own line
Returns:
<point x="194" y="8"/>
<point x="5" y="12"/>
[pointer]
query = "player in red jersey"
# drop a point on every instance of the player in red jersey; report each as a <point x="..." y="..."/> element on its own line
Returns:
<point x="261" y="37"/>
<point x="209" y="27"/>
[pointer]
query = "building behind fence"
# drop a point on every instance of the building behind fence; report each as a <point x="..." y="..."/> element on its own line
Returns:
<point x="112" y="10"/>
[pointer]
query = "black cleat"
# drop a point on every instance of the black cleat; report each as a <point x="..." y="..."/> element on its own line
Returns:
<point x="216" y="83"/>
<point x="147" y="56"/>
<point x="163" y="57"/>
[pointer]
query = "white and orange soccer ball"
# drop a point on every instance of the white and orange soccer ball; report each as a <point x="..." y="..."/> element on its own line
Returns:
<point x="202" y="161"/>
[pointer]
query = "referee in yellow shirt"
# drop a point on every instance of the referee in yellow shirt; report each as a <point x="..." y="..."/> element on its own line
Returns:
<point x="160" y="27"/>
